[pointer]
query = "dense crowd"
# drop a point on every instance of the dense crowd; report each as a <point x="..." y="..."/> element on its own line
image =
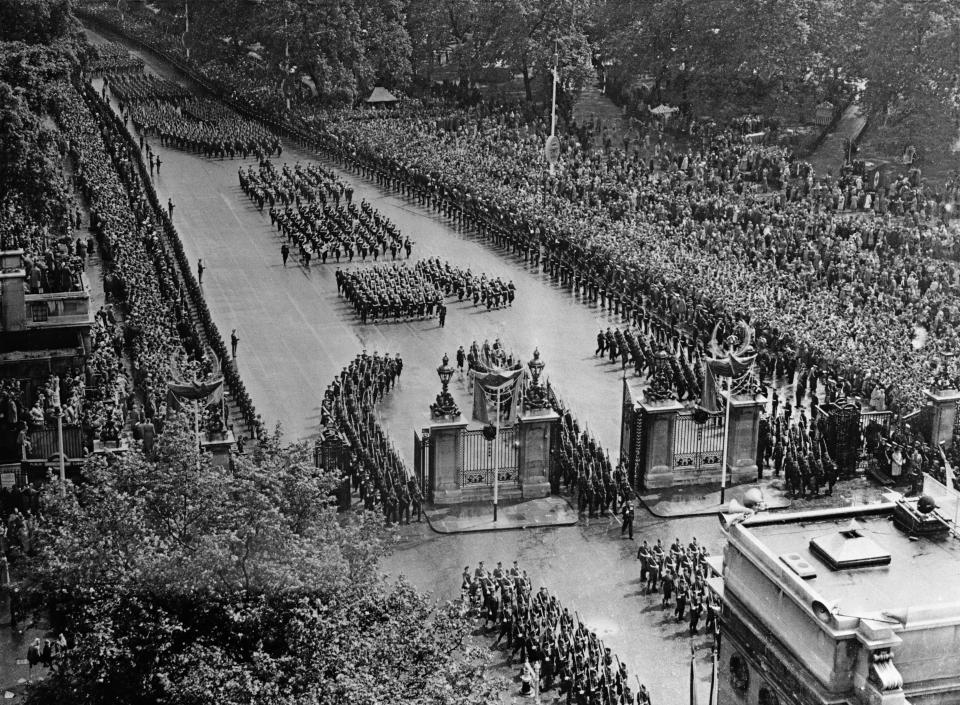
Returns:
<point x="315" y="212"/>
<point x="141" y="274"/>
<point x="375" y="467"/>
<point x="555" y="646"/>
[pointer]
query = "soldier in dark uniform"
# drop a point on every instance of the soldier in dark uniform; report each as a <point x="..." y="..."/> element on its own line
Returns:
<point x="627" y="526"/>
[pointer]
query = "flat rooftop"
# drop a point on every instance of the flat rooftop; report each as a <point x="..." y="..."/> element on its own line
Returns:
<point x="920" y="572"/>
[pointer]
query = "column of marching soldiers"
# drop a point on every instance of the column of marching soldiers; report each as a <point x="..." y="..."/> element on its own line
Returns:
<point x="315" y="212"/>
<point x="396" y="291"/>
<point x="165" y="110"/>
<point x="584" y="466"/>
<point x="374" y="467"/>
<point x="559" y="648"/>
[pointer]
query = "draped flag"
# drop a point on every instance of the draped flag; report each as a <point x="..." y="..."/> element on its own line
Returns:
<point x="181" y="389"/>
<point x="506" y="382"/>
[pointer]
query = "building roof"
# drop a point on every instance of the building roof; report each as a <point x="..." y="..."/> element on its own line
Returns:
<point x="920" y="575"/>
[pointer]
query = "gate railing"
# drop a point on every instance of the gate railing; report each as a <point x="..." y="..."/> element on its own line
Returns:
<point x="698" y="445"/>
<point x="481" y="457"/>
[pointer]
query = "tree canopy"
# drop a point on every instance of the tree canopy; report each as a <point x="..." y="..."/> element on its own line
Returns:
<point x="191" y="583"/>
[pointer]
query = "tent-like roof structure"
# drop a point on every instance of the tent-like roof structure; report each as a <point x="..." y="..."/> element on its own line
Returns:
<point x="381" y="95"/>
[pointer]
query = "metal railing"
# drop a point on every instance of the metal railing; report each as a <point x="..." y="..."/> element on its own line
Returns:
<point x="482" y="457"/>
<point x="698" y="445"/>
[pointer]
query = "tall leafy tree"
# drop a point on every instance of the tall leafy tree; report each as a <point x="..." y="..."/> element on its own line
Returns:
<point x="184" y="582"/>
<point x="910" y="61"/>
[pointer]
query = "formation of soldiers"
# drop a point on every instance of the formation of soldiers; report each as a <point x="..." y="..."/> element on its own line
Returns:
<point x="679" y="574"/>
<point x="796" y="447"/>
<point x="163" y="109"/>
<point x="396" y="291"/>
<point x="585" y="467"/>
<point x="112" y="59"/>
<point x="561" y="650"/>
<point x="315" y="212"/>
<point x="147" y="89"/>
<point x="204" y="126"/>
<point x="638" y="347"/>
<point x="375" y="468"/>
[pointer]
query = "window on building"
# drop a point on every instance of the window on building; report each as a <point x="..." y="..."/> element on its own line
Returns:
<point x="767" y="696"/>
<point x="739" y="673"/>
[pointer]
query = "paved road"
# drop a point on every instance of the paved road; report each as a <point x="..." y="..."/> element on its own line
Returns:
<point x="592" y="571"/>
<point x="296" y="334"/>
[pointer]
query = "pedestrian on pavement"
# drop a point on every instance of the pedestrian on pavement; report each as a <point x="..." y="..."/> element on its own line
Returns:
<point x="234" y="339"/>
<point x="34" y="654"/>
<point x="158" y="164"/>
<point x="627" y="526"/>
<point x="442" y="310"/>
<point x="285" y="253"/>
<point x="170" y="207"/>
<point x="200" y="269"/>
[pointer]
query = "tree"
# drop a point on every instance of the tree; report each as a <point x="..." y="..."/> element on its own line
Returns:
<point x="184" y="582"/>
<point x="910" y="60"/>
<point x="717" y="51"/>
<point x="538" y="29"/>
<point x="36" y="21"/>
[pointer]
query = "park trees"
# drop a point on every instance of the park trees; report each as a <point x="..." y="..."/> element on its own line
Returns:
<point x="520" y="36"/>
<point x="184" y="582"/>
<point x="346" y="47"/>
<point x="38" y="53"/>
<point x="720" y="51"/>
<point x="909" y="59"/>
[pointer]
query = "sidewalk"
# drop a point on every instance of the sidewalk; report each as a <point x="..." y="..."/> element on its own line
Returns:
<point x="699" y="500"/>
<point x="474" y="517"/>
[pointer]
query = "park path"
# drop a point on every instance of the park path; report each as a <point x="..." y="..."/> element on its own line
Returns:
<point x="594" y="103"/>
<point x="831" y="153"/>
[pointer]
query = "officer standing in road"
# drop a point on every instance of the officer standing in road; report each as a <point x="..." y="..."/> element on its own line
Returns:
<point x="627" y="526"/>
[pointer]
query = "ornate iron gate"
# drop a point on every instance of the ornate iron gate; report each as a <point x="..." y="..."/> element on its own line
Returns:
<point x="698" y="445"/>
<point x="481" y="457"/>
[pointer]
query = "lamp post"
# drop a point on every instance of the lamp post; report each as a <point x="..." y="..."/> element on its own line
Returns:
<point x="445" y="373"/>
<point x="445" y="404"/>
<point x="535" y="397"/>
<point x="536" y="366"/>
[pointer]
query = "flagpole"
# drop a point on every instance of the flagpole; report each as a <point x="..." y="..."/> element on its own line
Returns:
<point x="726" y="436"/>
<point x="496" y="459"/>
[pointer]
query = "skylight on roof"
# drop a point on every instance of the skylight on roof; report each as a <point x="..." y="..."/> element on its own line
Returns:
<point x="849" y="548"/>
